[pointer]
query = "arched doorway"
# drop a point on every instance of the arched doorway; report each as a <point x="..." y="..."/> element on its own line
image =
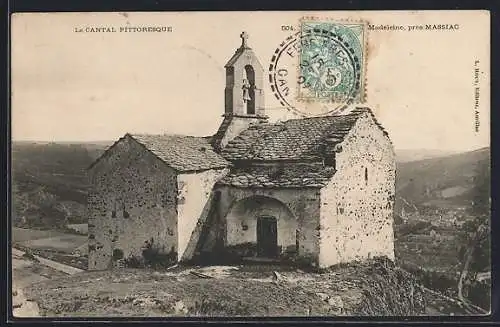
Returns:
<point x="263" y="223"/>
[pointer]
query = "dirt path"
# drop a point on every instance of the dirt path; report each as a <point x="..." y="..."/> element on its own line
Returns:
<point x="21" y="278"/>
<point x="24" y="273"/>
<point x="49" y="263"/>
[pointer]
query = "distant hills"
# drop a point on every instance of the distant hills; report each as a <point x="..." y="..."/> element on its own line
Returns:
<point x="406" y="155"/>
<point x="450" y="181"/>
<point x="49" y="182"/>
<point x="58" y="167"/>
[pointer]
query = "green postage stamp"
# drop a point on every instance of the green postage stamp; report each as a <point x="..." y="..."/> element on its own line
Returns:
<point x="331" y="62"/>
<point x="320" y="69"/>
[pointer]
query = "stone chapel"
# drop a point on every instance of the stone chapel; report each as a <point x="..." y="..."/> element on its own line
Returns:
<point x="315" y="190"/>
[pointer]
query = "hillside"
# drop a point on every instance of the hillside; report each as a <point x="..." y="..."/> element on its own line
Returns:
<point x="60" y="168"/>
<point x="442" y="205"/>
<point x="49" y="181"/>
<point x="444" y="182"/>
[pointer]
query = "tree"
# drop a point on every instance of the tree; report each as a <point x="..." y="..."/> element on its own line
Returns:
<point x="20" y="206"/>
<point x="66" y="210"/>
<point x="476" y="236"/>
<point x="481" y="198"/>
<point x="36" y="208"/>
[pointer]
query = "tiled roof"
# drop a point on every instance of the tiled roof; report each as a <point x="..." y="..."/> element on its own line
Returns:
<point x="295" y="139"/>
<point x="297" y="175"/>
<point x="183" y="153"/>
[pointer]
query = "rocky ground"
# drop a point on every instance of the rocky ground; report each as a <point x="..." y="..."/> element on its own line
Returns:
<point x="376" y="288"/>
<point x="25" y="273"/>
<point x="370" y="289"/>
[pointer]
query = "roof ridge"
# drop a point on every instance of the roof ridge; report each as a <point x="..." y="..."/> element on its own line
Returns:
<point x="301" y="138"/>
<point x="166" y="134"/>
<point x="355" y="111"/>
<point x="181" y="152"/>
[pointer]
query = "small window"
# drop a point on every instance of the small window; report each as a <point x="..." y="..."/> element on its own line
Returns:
<point x="113" y="214"/>
<point x="117" y="254"/>
<point x="125" y="214"/>
<point x="366" y="175"/>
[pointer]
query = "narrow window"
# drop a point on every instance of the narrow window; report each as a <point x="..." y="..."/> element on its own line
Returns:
<point x="297" y="234"/>
<point x="117" y="254"/>
<point x="366" y="175"/>
<point x="330" y="161"/>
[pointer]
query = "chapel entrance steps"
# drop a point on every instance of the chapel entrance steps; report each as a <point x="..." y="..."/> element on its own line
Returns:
<point x="249" y="264"/>
<point x="266" y="264"/>
<point x="261" y="260"/>
<point x="221" y="256"/>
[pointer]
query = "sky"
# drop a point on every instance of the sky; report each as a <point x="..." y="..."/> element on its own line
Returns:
<point x="78" y="86"/>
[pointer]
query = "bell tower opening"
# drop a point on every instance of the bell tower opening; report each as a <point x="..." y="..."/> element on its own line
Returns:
<point x="249" y="90"/>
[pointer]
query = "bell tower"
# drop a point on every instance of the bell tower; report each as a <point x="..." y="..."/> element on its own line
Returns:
<point x="244" y="95"/>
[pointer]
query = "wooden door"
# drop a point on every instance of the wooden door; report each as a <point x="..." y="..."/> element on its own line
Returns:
<point x="267" y="236"/>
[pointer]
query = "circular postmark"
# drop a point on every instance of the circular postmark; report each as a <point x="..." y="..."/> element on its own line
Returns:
<point x="318" y="70"/>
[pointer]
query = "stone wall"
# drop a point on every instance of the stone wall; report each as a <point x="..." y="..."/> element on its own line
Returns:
<point x="133" y="200"/>
<point x="357" y="204"/>
<point x="194" y="192"/>
<point x="297" y="211"/>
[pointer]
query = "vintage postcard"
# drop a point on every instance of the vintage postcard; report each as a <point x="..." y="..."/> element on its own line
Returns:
<point x="236" y="164"/>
